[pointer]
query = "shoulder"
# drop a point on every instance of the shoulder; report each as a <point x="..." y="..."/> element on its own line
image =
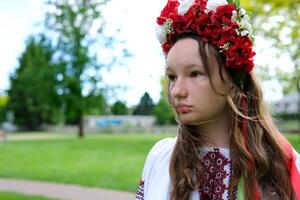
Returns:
<point x="159" y="155"/>
<point x="155" y="176"/>
<point x="162" y="147"/>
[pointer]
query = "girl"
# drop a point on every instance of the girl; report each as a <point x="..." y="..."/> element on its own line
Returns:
<point x="227" y="146"/>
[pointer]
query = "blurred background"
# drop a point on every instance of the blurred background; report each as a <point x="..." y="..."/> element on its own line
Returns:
<point x="82" y="91"/>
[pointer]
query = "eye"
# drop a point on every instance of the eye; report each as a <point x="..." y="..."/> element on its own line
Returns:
<point x="196" y="74"/>
<point x="171" y="77"/>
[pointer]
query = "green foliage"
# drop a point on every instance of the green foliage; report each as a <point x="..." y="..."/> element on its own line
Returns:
<point x="72" y="22"/>
<point x="3" y="101"/>
<point x="145" y="105"/>
<point x="278" y="21"/>
<point x="162" y="110"/>
<point x="287" y="116"/>
<point x="78" y="26"/>
<point x="236" y="3"/>
<point x="32" y="95"/>
<point x="119" y="108"/>
<point x="3" y="104"/>
<point x="95" y="105"/>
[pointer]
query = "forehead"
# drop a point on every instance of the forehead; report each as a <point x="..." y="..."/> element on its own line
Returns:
<point x="185" y="52"/>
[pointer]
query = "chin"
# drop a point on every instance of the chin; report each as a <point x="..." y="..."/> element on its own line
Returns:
<point x="188" y="119"/>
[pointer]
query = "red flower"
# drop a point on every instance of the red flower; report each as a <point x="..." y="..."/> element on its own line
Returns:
<point x="202" y="4"/>
<point x="240" y="54"/>
<point x="169" y="11"/>
<point x="189" y="15"/>
<point x="204" y="27"/>
<point x="215" y="27"/>
<point x="166" y="47"/>
<point x="224" y="13"/>
<point x="228" y="34"/>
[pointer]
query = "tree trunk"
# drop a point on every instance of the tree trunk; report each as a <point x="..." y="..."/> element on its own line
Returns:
<point x="80" y="126"/>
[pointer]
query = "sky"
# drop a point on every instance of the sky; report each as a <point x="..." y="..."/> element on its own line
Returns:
<point x="19" y="19"/>
<point x="136" y="18"/>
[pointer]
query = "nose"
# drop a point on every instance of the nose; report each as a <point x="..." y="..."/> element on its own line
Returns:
<point x="178" y="89"/>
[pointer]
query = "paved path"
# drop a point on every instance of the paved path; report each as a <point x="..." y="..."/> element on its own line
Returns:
<point x="61" y="191"/>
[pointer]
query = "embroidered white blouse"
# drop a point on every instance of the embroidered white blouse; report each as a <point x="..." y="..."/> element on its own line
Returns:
<point x="155" y="182"/>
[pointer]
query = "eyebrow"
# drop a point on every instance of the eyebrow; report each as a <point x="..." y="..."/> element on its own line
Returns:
<point x="168" y="68"/>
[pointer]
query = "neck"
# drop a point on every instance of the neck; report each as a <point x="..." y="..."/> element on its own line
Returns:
<point x="216" y="132"/>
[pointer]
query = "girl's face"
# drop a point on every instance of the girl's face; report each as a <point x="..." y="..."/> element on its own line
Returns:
<point x="191" y="92"/>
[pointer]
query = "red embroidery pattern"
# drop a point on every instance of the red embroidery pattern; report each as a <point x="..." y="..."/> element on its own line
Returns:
<point x="214" y="187"/>
<point x="140" y="191"/>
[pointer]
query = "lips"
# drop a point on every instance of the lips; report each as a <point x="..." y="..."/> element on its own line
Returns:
<point x="183" y="108"/>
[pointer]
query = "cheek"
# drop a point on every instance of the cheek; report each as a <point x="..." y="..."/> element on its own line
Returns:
<point x="208" y="100"/>
<point x="201" y="89"/>
<point x="169" y="95"/>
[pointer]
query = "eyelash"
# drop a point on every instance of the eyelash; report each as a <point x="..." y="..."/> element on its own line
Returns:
<point x="171" y="77"/>
<point x="196" y="73"/>
<point x="193" y="74"/>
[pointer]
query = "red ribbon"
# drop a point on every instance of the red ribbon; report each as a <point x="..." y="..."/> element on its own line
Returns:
<point x="291" y="164"/>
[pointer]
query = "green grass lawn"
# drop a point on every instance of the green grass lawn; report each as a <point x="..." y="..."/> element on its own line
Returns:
<point x="16" y="196"/>
<point x="106" y="161"/>
<point x="294" y="140"/>
<point x="288" y="124"/>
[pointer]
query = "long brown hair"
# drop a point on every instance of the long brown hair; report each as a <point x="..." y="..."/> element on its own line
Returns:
<point x="262" y="147"/>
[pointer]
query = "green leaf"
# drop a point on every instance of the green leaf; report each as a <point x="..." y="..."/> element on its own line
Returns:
<point x="236" y="3"/>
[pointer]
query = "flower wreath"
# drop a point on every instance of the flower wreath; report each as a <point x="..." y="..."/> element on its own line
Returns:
<point x="223" y="24"/>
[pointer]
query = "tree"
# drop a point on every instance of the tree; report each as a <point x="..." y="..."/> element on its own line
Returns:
<point x="278" y="21"/>
<point x="145" y="105"/>
<point x="119" y="108"/>
<point x="97" y="105"/>
<point x="94" y="104"/>
<point x="32" y="95"/>
<point x="3" y="105"/>
<point x="162" y="110"/>
<point x="72" y="22"/>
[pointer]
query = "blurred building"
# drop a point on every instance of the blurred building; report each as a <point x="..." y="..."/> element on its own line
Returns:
<point x="289" y="104"/>
<point x="96" y="123"/>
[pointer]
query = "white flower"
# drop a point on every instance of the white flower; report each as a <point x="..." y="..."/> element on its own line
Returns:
<point x="163" y="30"/>
<point x="184" y="6"/>
<point x="246" y="17"/>
<point x="234" y="16"/>
<point x="242" y="19"/>
<point x="214" y="4"/>
<point x="161" y="34"/>
<point x="242" y="11"/>
<point x="244" y="32"/>
<point x="245" y="25"/>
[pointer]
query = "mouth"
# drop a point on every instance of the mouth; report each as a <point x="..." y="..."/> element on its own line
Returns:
<point x="182" y="108"/>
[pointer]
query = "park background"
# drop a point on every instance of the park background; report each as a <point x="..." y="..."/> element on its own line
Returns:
<point x="82" y="91"/>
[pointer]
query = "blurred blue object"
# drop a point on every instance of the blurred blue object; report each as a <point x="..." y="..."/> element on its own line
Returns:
<point x="102" y="123"/>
